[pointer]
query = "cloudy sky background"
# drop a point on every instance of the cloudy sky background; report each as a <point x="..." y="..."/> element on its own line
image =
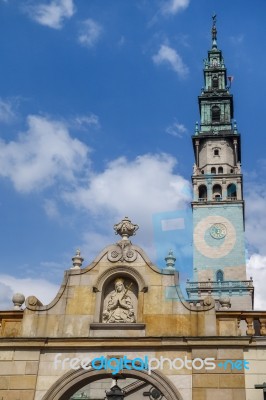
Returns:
<point x="98" y="100"/>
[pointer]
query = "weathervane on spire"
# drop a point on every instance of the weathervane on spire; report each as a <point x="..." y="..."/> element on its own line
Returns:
<point x="214" y="30"/>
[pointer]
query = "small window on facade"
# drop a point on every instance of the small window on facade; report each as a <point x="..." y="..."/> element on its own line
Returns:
<point x="216" y="152"/>
<point x="213" y="170"/>
<point x="231" y="170"/>
<point x="215" y="82"/>
<point x="219" y="276"/>
<point x="216" y="113"/>
<point x="202" y="171"/>
<point x="220" y="170"/>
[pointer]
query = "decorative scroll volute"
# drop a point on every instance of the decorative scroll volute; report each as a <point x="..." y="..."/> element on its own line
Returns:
<point x="122" y="253"/>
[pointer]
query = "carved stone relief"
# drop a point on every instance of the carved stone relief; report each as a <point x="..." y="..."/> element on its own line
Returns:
<point x="122" y="252"/>
<point x="120" y="302"/>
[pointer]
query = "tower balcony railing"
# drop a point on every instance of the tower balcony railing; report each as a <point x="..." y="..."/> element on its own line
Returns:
<point x="219" y="284"/>
<point x="217" y="199"/>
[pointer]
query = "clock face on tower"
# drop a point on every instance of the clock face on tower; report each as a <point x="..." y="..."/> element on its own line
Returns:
<point x="214" y="236"/>
<point x="218" y="231"/>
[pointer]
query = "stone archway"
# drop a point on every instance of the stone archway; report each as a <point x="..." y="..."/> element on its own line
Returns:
<point x="73" y="380"/>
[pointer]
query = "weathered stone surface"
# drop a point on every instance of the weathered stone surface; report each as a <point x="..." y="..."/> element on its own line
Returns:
<point x="27" y="355"/>
<point x="205" y="381"/>
<point x="232" y="381"/>
<point x="31" y="368"/>
<point x="17" y="394"/>
<point x="13" y="368"/>
<point x="22" y="382"/>
<point x="44" y="382"/>
<point x="4" y="382"/>
<point x="6" y="355"/>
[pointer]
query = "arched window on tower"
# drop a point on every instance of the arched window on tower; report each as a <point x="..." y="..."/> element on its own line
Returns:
<point x="202" y="193"/>
<point x="231" y="192"/>
<point x="217" y="192"/>
<point x="220" y="170"/>
<point x="215" y="82"/>
<point x="219" y="276"/>
<point x="213" y="170"/>
<point x="216" y="114"/>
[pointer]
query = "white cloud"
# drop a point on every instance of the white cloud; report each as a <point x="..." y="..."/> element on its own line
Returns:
<point x="54" y="266"/>
<point x="87" y="120"/>
<point x="45" y="291"/>
<point x="256" y="267"/>
<point x="176" y="129"/>
<point x="145" y="184"/>
<point x="7" y="113"/>
<point x="121" y="41"/>
<point x="237" y="40"/>
<point x="172" y="7"/>
<point x="53" y="14"/>
<point x="5" y="297"/>
<point x="256" y="216"/>
<point x="169" y="56"/>
<point x="255" y="226"/>
<point x="51" y="208"/>
<point x="137" y="189"/>
<point x="90" y="33"/>
<point x="94" y="242"/>
<point x="42" y="155"/>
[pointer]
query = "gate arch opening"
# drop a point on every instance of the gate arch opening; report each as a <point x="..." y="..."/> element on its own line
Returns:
<point x="67" y="385"/>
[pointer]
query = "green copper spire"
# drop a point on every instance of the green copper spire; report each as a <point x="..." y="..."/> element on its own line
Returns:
<point x="215" y="100"/>
<point x="214" y="32"/>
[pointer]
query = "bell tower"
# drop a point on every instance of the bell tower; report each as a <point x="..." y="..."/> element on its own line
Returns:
<point x="219" y="264"/>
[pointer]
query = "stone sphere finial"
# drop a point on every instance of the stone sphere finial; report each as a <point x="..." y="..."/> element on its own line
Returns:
<point x="18" y="299"/>
<point x="125" y="228"/>
<point x="77" y="260"/>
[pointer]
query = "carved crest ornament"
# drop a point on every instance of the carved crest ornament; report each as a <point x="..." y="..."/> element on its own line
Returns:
<point x="123" y="251"/>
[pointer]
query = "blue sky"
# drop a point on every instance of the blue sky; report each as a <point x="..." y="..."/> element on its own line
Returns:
<point x="98" y="100"/>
